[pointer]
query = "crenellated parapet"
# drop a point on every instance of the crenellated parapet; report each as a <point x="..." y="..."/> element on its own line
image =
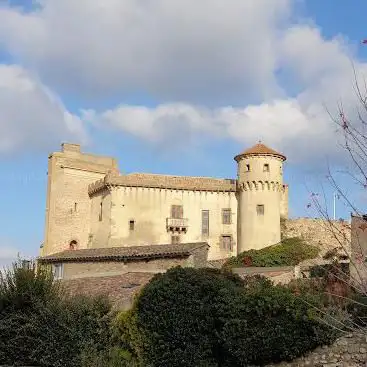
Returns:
<point x="168" y="182"/>
<point x="260" y="186"/>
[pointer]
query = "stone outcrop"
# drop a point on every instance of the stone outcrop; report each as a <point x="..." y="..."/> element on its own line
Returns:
<point x="348" y="351"/>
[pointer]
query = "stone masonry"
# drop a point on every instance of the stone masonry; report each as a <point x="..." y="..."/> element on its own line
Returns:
<point x="321" y="233"/>
<point x="348" y="351"/>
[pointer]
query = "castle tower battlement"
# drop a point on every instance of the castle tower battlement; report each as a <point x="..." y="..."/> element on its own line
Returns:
<point x="260" y="194"/>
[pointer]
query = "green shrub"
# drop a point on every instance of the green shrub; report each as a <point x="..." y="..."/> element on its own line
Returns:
<point x="357" y="308"/>
<point x="40" y="327"/>
<point x="289" y="252"/>
<point x="203" y="317"/>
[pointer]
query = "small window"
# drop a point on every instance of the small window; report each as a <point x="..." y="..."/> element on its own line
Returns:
<point x="177" y="211"/>
<point x="226" y="216"/>
<point x="58" y="271"/>
<point x="175" y="240"/>
<point x="247" y="167"/>
<point x="132" y="225"/>
<point x="75" y="207"/>
<point x="73" y="245"/>
<point x="100" y="212"/>
<point x="205" y="222"/>
<point x="226" y="242"/>
<point x="266" y="167"/>
<point x="260" y="210"/>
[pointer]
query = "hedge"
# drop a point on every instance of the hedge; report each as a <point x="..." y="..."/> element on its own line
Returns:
<point x="203" y="317"/>
<point x="289" y="252"/>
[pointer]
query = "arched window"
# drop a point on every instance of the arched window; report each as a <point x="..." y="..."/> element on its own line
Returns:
<point x="73" y="245"/>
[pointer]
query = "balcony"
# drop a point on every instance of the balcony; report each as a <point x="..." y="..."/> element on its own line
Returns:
<point x="177" y="224"/>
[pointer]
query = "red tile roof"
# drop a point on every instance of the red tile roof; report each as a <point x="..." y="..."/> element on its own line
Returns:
<point x="124" y="253"/>
<point x="260" y="149"/>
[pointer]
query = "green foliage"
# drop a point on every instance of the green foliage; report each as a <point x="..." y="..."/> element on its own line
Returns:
<point x="322" y="271"/>
<point x="204" y="317"/>
<point x="41" y="327"/>
<point x="357" y="308"/>
<point x="289" y="252"/>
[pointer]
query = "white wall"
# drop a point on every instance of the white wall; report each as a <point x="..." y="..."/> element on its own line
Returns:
<point x="258" y="187"/>
<point x="150" y="208"/>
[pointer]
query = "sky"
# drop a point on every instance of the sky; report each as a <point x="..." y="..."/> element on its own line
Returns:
<point x="177" y="87"/>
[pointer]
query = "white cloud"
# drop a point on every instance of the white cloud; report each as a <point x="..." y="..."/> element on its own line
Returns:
<point x="281" y="124"/>
<point x="199" y="59"/>
<point x="175" y="50"/>
<point x="31" y="115"/>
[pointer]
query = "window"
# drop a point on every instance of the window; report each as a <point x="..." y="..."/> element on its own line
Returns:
<point x="75" y="207"/>
<point x="260" y="210"/>
<point x="266" y="167"/>
<point x="100" y="212"/>
<point x="177" y="211"/>
<point x="73" y="244"/>
<point x="226" y="242"/>
<point x="247" y="167"/>
<point x="226" y="216"/>
<point x="175" y="240"/>
<point x="131" y="225"/>
<point x="58" y="271"/>
<point x="205" y="222"/>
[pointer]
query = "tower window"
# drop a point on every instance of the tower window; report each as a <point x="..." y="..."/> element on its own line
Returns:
<point x="205" y="222"/>
<point x="226" y="216"/>
<point x="260" y="209"/>
<point x="226" y="242"/>
<point x="175" y="240"/>
<point x="75" y="207"/>
<point x="132" y="225"/>
<point x="100" y="212"/>
<point x="247" y="167"/>
<point x="266" y="167"/>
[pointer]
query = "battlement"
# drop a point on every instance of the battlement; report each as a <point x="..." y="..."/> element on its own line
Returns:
<point x="164" y="182"/>
<point x="261" y="186"/>
<point x="68" y="147"/>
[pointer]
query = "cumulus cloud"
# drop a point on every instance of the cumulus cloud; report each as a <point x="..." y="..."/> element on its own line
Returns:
<point x="209" y="50"/>
<point x="239" y="69"/>
<point x="30" y="114"/>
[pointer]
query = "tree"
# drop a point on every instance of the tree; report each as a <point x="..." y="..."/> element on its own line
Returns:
<point x="204" y="317"/>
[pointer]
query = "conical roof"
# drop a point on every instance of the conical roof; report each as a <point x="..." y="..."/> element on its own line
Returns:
<point x="260" y="149"/>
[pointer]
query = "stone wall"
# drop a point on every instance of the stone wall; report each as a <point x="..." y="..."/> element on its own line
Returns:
<point x="85" y="269"/>
<point x="348" y="351"/>
<point x="326" y="235"/>
<point x="277" y="274"/>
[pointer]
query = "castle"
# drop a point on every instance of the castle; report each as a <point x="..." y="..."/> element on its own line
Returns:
<point x="90" y="205"/>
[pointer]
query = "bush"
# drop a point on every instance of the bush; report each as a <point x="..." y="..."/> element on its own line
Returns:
<point x="38" y="326"/>
<point x="203" y="317"/>
<point x="289" y="252"/>
<point x="357" y="308"/>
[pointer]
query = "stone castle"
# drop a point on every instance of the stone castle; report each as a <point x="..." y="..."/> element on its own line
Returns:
<point x="90" y="205"/>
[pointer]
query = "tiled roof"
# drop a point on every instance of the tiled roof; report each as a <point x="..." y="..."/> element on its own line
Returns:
<point x="165" y="182"/>
<point x="124" y="253"/>
<point x="120" y="289"/>
<point x="260" y="149"/>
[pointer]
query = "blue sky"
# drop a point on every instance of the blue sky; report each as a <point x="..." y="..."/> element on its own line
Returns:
<point x="172" y="87"/>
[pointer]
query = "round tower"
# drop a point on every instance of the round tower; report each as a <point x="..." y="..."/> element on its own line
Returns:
<point x="259" y="190"/>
